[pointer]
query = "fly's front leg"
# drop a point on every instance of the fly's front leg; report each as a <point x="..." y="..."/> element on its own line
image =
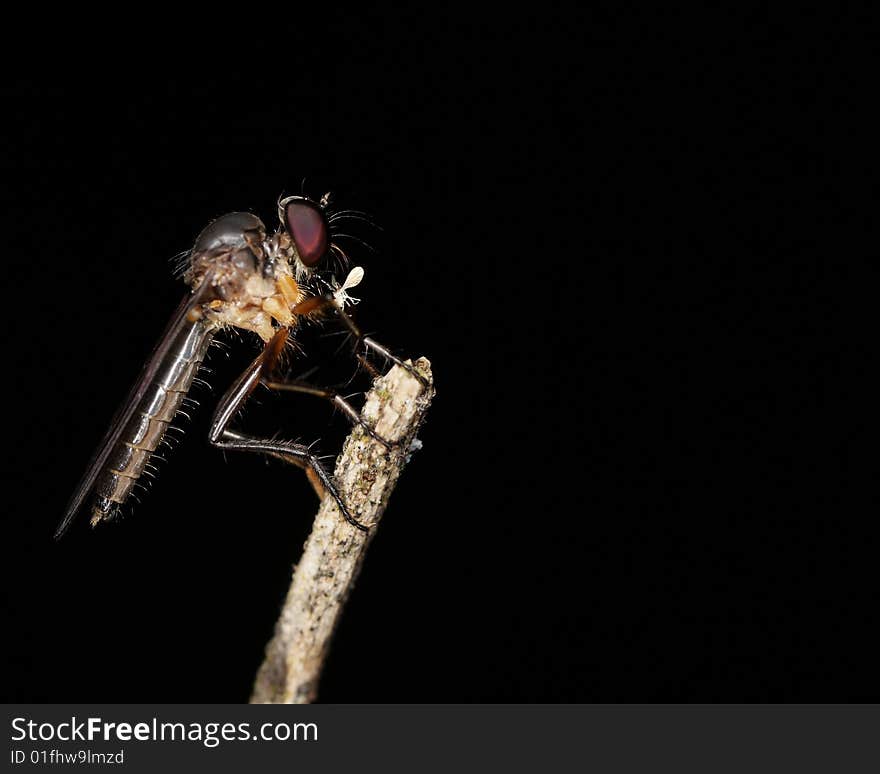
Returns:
<point x="317" y="303"/>
<point x="297" y="454"/>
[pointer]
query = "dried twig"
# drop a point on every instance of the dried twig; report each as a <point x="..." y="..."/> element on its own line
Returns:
<point x="366" y="473"/>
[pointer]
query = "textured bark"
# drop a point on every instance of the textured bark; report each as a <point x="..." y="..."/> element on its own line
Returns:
<point x="366" y="473"/>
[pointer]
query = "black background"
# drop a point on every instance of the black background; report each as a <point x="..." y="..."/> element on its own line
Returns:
<point x="633" y="486"/>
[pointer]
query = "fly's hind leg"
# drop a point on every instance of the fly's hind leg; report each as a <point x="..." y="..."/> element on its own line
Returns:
<point x="311" y="476"/>
<point x="297" y="454"/>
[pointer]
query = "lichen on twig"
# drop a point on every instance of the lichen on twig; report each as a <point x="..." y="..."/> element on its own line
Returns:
<point x="366" y="473"/>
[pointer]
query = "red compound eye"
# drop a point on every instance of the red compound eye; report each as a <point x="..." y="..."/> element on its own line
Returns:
<point x="308" y="229"/>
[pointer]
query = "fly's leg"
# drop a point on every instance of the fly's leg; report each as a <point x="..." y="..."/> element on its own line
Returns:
<point x="310" y="474"/>
<point x="297" y="454"/>
<point x="318" y="303"/>
<point x="337" y="400"/>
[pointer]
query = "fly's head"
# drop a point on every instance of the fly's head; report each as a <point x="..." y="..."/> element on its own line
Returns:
<point x="255" y="280"/>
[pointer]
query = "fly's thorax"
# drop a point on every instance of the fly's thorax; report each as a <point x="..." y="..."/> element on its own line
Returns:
<point x="251" y="282"/>
<point x="259" y="305"/>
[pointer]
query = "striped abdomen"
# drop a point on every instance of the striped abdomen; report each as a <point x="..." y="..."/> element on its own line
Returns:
<point x="156" y="408"/>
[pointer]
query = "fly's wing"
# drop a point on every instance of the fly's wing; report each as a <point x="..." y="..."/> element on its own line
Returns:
<point x="127" y="409"/>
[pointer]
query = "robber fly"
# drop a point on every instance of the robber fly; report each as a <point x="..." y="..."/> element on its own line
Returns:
<point x="241" y="277"/>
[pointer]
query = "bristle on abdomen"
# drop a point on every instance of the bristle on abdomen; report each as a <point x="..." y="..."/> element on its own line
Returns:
<point x="129" y="460"/>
